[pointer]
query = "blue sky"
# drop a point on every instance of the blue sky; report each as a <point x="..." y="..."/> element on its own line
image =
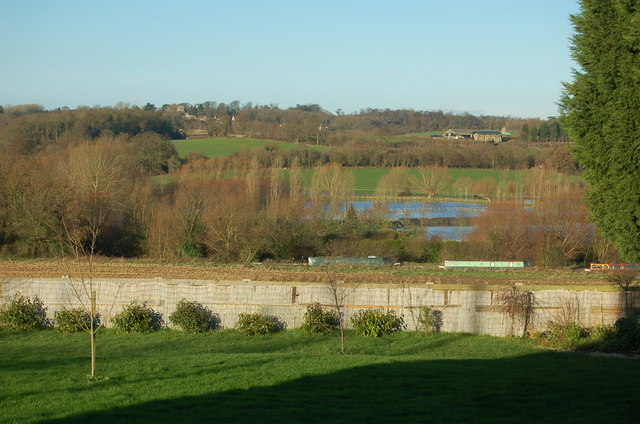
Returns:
<point x="501" y="57"/>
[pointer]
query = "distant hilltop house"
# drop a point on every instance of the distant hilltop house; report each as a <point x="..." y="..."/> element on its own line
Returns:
<point x="180" y="109"/>
<point x="478" y="135"/>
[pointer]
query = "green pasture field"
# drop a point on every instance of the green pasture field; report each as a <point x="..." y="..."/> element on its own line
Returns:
<point x="292" y="377"/>
<point x="217" y="147"/>
<point x="476" y="174"/>
<point x="367" y="178"/>
<point x="413" y="137"/>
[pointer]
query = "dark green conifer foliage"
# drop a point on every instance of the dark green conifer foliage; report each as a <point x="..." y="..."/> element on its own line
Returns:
<point x="601" y="110"/>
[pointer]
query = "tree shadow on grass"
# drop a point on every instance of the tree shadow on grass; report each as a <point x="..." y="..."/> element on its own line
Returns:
<point x="41" y="363"/>
<point x="541" y="388"/>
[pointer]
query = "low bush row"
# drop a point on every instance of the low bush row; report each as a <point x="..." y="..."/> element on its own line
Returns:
<point x="623" y="336"/>
<point x="24" y="313"/>
<point x="366" y="322"/>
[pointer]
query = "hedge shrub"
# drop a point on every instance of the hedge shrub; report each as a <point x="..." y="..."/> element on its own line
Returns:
<point x="430" y="320"/>
<point x="319" y="320"/>
<point x="72" y="320"/>
<point x="573" y="336"/>
<point x="257" y="323"/>
<point x="626" y="337"/>
<point x="137" y="318"/>
<point x="24" y="313"/>
<point x="376" y="322"/>
<point x="192" y="317"/>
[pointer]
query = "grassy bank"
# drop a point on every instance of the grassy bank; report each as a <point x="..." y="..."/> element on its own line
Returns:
<point x="293" y="377"/>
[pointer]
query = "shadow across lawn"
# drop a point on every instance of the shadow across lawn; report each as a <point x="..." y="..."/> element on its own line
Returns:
<point x="540" y="388"/>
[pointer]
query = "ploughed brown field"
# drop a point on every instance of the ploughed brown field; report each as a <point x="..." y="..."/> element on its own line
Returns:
<point x="405" y="274"/>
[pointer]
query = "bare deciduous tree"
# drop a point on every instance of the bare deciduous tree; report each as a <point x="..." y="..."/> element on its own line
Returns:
<point x="339" y="293"/>
<point x="561" y="219"/>
<point x="518" y="305"/>
<point x="626" y="280"/>
<point x="484" y="187"/>
<point x="276" y="186"/>
<point x="333" y="185"/>
<point x="95" y="178"/>
<point x="503" y="229"/>
<point x="395" y="183"/>
<point x="431" y="180"/>
<point x="296" y="196"/>
<point x="229" y="226"/>
<point x="192" y="198"/>
<point x="600" y="247"/>
<point x="463" y="186"/>
<point x="252" y="179"/>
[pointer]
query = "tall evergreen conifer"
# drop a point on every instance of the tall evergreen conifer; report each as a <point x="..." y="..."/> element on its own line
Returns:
<point x="601" y="110"/>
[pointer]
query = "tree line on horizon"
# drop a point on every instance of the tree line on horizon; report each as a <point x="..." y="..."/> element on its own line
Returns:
<point x="27" y="128"/>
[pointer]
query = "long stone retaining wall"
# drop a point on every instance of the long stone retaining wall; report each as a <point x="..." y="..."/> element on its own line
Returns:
<point x="467" y="309"/>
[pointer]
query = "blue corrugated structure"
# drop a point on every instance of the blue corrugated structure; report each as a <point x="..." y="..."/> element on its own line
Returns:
<point x="487" y="264"/>
<point x="370" y="261"/>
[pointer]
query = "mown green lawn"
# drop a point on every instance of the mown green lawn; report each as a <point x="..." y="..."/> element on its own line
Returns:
<point x="216" y="147"/>
<point x="224" y="377"/>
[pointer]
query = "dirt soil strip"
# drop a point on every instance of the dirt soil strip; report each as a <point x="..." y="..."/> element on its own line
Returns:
<point x="120" y="269"/>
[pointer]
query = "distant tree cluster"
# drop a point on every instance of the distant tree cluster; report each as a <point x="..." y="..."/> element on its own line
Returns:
<point x="31" y="129"/>
<point x="28" y="127"/>
<point x="550" y="130"/>
<point x="554" y="230"/>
